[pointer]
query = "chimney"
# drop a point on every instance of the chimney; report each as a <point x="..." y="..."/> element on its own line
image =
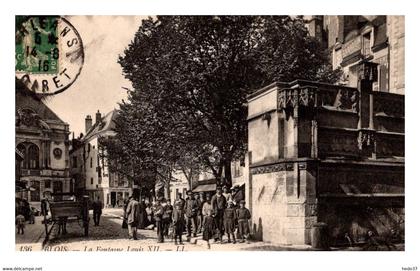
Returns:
<point x="88" y="123"/>
<point x="98" y="117"/>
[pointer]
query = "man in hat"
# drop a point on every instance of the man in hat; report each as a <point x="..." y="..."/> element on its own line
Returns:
<point x="97" y="210"/>
<point x="243" y="215"/>
<point x="158" y="211"/>
<point x="219" y="203"/>
<point x="180" y="200"/>
<point x="191" y="211"/>
<point x="132" y="213"/>
<point x="178" y="223"/>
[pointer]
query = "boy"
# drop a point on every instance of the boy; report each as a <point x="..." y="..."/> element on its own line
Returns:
<point x="20" y="223"/>
<point x="167" y="217"/>
<point x="178" y="223"/>
<point x="157" y="214"/>
<point x="243" y="216"/>
<point x="208" y="221"/>
<point x="229" y="221"/>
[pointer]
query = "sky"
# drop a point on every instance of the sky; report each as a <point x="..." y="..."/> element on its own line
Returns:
<point x="100" y="84"/>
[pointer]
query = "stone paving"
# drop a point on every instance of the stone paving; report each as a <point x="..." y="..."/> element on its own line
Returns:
<point x="109" y="236"/>
<point x="33" y="237"/>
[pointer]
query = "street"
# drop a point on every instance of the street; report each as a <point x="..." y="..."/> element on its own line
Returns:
<point x="110" y="237"/>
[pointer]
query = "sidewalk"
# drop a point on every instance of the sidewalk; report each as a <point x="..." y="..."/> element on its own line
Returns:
<point x="33" y="237"/>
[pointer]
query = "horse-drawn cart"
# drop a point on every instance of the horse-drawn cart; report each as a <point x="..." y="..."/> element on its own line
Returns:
<point x="64" y="208"/>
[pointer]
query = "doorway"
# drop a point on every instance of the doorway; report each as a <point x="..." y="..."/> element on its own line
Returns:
<point x="113" y="199"/>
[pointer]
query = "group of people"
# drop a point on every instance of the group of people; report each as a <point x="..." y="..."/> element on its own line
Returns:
<point x="214" y="216"/>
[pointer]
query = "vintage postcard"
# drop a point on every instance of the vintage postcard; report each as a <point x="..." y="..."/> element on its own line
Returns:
<point x="209" y="133"/>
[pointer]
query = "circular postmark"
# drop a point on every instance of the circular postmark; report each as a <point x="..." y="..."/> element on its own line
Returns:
<point x="49" y="53"/>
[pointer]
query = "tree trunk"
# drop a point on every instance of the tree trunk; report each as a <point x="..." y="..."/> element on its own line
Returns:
<point x="228" y="173"/>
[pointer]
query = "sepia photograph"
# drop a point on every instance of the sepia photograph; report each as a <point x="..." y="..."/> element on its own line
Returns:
<point x="209" y="133"/>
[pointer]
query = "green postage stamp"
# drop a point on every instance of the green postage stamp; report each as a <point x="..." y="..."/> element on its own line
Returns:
<point x="49" y="53"/>
<point x="37" y="45"/>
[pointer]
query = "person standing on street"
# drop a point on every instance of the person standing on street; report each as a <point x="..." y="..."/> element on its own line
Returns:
<point x="208" y="220"/>
<point x="219" y="203"/>
<point x="97" y="210"/>
<point x="124" y="224"/>
<point x="178" y="223"/>
<point x="133" y="213"/>
<point x="191" y="210"/>
<point x="243" y="215"/>
<point x="167" y="217"/>
<point x="20" y="223"/>
<point x="229" y="221"/>
<point x="200" y="201"/>
<point x="157" y="214"/>
<point x="149" y="214"/>
<point x="143" y="215"/>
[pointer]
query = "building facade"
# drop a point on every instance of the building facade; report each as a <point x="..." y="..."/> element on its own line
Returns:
<point x="89" y="167"/>
<point x="352" y="39"/>
<point x="326" y="153"/>
<point x="42" y="141"/>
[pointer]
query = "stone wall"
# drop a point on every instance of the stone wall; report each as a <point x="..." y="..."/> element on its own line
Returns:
<point x="325" y="154"/>
<point x="396" y="36"/>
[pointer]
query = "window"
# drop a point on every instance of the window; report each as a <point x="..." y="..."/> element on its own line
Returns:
<point x="237" y="169"/>
<point x="74" y="161"/>
<point x="35" y="193"/>
<point x="91" y="162"/>
<point x="366" y="44"/>
<point x="91" y="180"/>
<point x="33" y="156"/>
<point x="57" y="189"/>
<point x="47" y="184"/>
<point x="72" y="184"/>
<point x="383" y="77"/>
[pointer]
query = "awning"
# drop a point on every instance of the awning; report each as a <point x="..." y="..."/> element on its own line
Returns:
<point x="205" y="188"/>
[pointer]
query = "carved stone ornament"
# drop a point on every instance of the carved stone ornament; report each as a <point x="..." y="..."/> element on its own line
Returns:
<point x="29" y="118"/>
<point x="268" y="169"/>
<point x="57" y="153"/>
<point x="290" y="98"/>
<point x="366" y="138"/>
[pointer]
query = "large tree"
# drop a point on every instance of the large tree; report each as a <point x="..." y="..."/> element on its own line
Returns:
<point x="191" y="76"/>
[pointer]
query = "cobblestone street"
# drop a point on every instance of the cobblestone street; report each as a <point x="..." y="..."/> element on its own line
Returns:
<point x="109" y="236"/>
<point x="33" y="237"/>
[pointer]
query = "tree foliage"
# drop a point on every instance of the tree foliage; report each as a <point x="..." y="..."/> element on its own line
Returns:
<point x="191" y="76"/>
